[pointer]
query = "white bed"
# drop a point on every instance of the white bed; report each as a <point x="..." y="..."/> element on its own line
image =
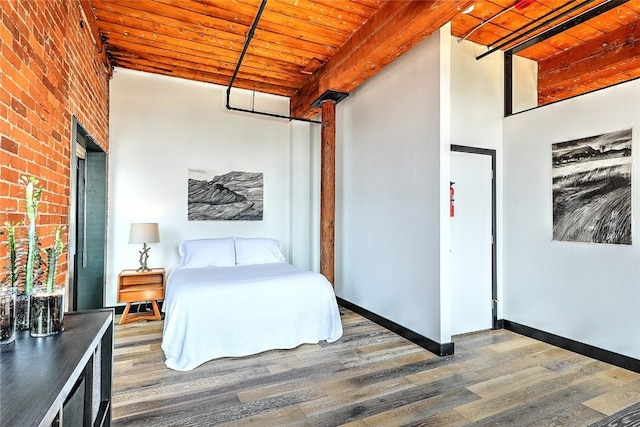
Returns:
<point x="238" y="310"/>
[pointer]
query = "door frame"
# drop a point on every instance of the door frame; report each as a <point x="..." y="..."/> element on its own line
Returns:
<point x="494" y="225"/>
<point x="77" y="132"/>
<point x="79" y="135"/>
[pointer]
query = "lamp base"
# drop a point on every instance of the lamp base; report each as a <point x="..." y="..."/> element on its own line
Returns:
<point x="144" y="257"/>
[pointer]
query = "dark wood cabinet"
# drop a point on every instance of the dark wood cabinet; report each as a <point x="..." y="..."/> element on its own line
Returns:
<point x="61" y="380"/>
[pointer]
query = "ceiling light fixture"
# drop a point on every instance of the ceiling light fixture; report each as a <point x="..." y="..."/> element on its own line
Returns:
<point x="469" y="9"/>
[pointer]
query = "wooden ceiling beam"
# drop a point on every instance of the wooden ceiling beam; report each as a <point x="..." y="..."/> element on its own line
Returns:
<point x="392" y="31"/>
<point x="124" y="48"/>
<point x="488" y="32"/>
<point x="327" y="9"/>
<point x="140" y="29"/>
<point x="591" y="80"/>
<point x="301" y="13"/>
<point x="91" y="22"/>
<point x="237" y="12"/>
<point x="563" y="41"/>
<point x="364" y="9"/>
<point x="124" y="43"/>
<point x="599" y="58"/>
<point x="558" y="16"/>
<point x="206" y="77"/>
<point x="539" y="52"/>
<point x="227" y="33"/>
<point x="162" y="61"/>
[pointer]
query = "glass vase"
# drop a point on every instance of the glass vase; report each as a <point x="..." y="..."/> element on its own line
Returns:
<point x="47" y="312"/>
<point x="7" y="317"/>
<point x="23" y="311"/>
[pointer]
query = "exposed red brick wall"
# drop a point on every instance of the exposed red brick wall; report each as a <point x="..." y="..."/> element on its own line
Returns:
<point x="49" y="71"/>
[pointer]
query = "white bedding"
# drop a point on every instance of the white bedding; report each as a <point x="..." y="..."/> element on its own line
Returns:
<point x="242" y="310"/>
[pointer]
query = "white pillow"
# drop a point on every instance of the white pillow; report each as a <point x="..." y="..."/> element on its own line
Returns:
<point x="258" y="250"/>
<point x="205" y="253"/>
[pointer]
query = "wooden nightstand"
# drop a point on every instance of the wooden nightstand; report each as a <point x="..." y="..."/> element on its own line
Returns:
<point x="134" y="286"/>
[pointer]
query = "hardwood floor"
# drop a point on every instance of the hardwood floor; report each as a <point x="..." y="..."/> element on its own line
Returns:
<point x="370" y="377"/>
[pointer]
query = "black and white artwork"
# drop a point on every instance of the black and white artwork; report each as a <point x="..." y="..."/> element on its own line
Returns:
<point x="231" y="196"/>
<point x="592" y="189"/>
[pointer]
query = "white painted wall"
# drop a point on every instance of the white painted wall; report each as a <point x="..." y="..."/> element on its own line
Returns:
<point x="393" y="162"/>
<point x="525" y="84"/>
<point x="316" y="142"/>
<point x="304" y="206"/>
<point x="159" y="128"/>
<point x="476" y="96"/>
<point x="446" y="292"/>
<point x="388" y="191"/>
<point x="586" y="292"/>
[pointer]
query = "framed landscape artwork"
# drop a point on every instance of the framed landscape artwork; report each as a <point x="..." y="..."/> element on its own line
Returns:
<point x="230" y="196"/>
<point x="592" y="189"/>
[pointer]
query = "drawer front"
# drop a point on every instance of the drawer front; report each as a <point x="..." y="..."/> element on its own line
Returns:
<point x="135" y="295"/>
<point x="142" y="279"/>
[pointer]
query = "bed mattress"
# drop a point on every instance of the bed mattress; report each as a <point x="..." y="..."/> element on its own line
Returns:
<point x="243" y="310"/>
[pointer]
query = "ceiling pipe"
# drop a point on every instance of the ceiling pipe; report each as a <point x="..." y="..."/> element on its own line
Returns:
<point x="570" y="23"/>
<point x="519" y="4"/>
<point x="536" y="28"/>
<point x="535" y="21"/>
<point x="252" y="31"/>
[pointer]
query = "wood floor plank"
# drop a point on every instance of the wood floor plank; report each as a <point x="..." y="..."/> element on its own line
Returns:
<point x="617" y="399"/>
<point x="271" y="390"/>
<point x="618" y="376"/>
<point x="282" y="417"/>
<point x="555" y="408"/>
<point x="379" y="404"/>
<point x="513" y="344"/>
<point x="370" y="377"/>
<point x="437" y="408"/>
<point x="505" y="384"/>
<point x="518" y="396"/>
<point x="443" y="372"/>
<point x="352" y="394"/>
<point x="509" y="363"/>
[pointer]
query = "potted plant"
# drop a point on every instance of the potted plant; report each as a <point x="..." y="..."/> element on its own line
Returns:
<point x="32" y="261"/>
<point x="47" y="301"/>
<point x="7" y="316"/>
<point x="9" y="287"/>
<point x="38" y="303"/>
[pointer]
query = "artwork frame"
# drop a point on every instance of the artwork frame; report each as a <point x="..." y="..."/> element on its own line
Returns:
<point x="592" y="189"/>
<point x="225" y="196"/>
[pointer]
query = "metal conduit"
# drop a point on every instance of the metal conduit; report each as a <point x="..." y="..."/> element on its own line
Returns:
<point x="482" y="24"/>
<point x="535" y="21"/>
<point x="570" y="23"/>
<point x="534" y="29"/>
<point x="252" y="31"/>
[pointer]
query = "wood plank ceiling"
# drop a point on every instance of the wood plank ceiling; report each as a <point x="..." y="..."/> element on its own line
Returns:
<point x="301" y="48"/>
<point x="598" y="53"/>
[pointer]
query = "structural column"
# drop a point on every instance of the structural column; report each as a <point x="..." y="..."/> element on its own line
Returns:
<point x="328" y="190"/>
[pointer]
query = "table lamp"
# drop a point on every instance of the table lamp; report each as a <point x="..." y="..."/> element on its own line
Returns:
<point x="144" y="232"/>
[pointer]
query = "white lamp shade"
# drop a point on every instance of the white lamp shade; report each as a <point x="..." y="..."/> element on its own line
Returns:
<point x="144" y="232"/>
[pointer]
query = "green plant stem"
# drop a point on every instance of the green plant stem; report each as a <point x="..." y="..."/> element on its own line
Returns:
<point x="12" y="246"/>
<point x="53" y="254"/>
<point x="32" y="196"/>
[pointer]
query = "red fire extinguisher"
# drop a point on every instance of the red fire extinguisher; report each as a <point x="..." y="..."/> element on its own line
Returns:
<point x="451" y="199"/>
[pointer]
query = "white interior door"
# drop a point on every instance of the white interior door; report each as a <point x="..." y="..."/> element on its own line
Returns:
<point x="471" y="245"/>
